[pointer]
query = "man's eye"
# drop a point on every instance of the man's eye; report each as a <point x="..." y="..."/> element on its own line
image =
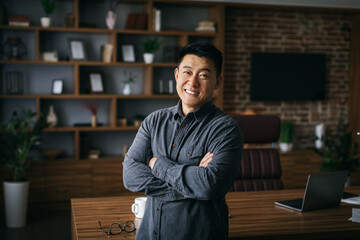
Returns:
<point x="186" y="72"/>
<point x="203" y="76"/>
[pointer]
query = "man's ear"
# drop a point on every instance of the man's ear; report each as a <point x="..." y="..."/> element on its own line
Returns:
<point x="176" y="73"/>
<point x="219" y="82"/>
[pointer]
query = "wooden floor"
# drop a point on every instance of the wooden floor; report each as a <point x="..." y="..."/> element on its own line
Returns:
<point x="41" y="225"/>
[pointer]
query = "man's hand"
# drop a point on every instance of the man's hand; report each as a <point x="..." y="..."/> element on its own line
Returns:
<point x="152" y="162"/>
<point x="206" y="160"/>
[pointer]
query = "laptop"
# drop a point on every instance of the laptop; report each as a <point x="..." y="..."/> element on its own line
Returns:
<point x="323" y="190"/>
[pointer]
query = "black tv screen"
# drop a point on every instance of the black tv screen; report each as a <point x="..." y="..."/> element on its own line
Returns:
<point x="287" y="76"/>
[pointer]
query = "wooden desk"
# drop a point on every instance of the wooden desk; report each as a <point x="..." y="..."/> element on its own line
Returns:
<point x="253" y="216"/>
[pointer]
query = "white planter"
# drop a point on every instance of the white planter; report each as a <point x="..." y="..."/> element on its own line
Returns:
<point x="148" y="57"/>
<point x="127" y="89"/>
<point x="285" y="147"/>
<point x="45" y="21"/>
<point x="16" y="199"/>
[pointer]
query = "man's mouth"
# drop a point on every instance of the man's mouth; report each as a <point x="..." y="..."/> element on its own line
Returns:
<point x="191" y="92"/>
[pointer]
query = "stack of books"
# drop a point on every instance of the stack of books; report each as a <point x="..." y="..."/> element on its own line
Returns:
<point x="355" y="215"/>
<point x="19" y="20"/>
<point x="208" y="26"/>
<point x="106" y="52"/>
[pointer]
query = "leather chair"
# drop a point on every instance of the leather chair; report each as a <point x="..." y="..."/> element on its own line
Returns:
<point x="260" y="166"/>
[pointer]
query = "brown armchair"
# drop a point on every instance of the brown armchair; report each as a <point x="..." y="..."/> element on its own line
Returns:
<point x="260" y="167"/>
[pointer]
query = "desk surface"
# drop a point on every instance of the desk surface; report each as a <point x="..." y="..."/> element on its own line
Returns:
<point x="253" y="216"/>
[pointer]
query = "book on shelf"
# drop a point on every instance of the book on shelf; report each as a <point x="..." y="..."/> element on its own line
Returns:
<point x="157" y="19"/>
<point x="208" y="26"/>
<point x="19" y="20"/>
<point x="136" y="21"/>
<point x="106" y="52"/>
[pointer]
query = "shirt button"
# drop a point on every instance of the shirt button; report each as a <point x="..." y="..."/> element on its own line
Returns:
<point x="157" y="174"/>
<point x="174" y="145"/>
<point x="155" y="233"/>
<point x="157" y="209"/>
<point x="183" y="125"/>
<point x="181" y="195"/>
<point x="189" y="154"/>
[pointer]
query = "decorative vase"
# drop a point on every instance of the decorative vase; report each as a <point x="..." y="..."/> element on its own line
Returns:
<point x="16" y="199"/>
<point x="319" y="133"/>
<point x="148" y="57"/>
<point x="127" y="89"/>
<point x="110" y="19"/>
<point x="93" y="120"/>
<point x="51" y="118"/>
<point x="45" y="21"/>
<point x="13" y="48"/>
<point x="348" y="182"/>
<point x="285" y="147"/>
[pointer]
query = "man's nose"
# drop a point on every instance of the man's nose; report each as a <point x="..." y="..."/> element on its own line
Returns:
<point x="193" y="81"/>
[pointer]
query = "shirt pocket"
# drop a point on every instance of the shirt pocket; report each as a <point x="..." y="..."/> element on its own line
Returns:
<point x="192" y="155"/>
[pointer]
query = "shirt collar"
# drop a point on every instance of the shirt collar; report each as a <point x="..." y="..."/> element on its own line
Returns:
<point x="199" y="114"/>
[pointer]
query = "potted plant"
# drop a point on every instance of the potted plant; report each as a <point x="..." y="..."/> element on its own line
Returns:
<point x="128" y="79"/>
<point x="17" y="137"/>
<point x="286" y="136"/>
<point x="339" y="152"/>
<point x="48" y="7"/>
<point x="150" y="45"/>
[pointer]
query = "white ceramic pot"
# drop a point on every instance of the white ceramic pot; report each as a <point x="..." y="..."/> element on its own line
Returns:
<point x="285" y="147"/>
<point x="16" y="199"/>
<point x="45" y="21"/>
<point x="127" y="89"/>
<point x="148" y="57"/>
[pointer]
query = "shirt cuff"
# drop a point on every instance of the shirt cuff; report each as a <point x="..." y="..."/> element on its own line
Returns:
<point x="161" y="166"/>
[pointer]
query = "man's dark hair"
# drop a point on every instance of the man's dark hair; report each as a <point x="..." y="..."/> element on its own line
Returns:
<point x="203" y="49"/>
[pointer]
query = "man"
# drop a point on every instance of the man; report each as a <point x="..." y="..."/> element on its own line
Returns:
<point x="185" y="158"/>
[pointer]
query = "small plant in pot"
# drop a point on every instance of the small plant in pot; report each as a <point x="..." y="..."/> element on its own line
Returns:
<point x="17" y="137"/>
<point x="128" y="79"/>
<point x="339" y="151"/>
<point x="48" y="7"/>
<point x="286" y="136"/>
<point x="150" y="45"/>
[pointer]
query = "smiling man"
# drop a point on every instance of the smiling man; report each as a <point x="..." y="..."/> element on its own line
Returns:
<point x="185" y="158"/>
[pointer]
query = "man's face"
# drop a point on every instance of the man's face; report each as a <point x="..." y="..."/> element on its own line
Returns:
<point x="195" y="82"/>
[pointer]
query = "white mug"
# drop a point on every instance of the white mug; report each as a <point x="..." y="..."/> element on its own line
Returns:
<point x="138" y="208"/>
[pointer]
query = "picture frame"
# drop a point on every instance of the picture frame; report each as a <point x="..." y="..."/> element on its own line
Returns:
<point x="96" y="82"/>
<point x="77" y="51"/>
<point x="128" y="53"/>
<point x="57" y="86"/>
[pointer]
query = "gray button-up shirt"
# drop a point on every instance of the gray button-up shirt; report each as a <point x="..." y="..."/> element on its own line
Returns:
<point x="185" y="201"/>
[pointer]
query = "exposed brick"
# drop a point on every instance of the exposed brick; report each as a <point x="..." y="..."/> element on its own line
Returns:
<point x="254" y="29"/>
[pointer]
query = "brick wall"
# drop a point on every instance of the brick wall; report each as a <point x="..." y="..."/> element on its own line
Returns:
<point x="272" y="30"/>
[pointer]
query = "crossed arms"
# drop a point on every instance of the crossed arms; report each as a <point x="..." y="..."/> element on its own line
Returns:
<point x="162" y="177"/>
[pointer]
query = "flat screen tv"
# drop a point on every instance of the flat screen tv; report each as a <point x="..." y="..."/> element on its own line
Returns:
<point x="287" y="76"/>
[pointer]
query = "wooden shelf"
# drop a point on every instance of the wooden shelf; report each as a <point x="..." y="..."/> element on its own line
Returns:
<point x="75" y="82"/>
<point x="88" y="63"/>
<point x="90" y="129"/>
<point x="109" y="31"/>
